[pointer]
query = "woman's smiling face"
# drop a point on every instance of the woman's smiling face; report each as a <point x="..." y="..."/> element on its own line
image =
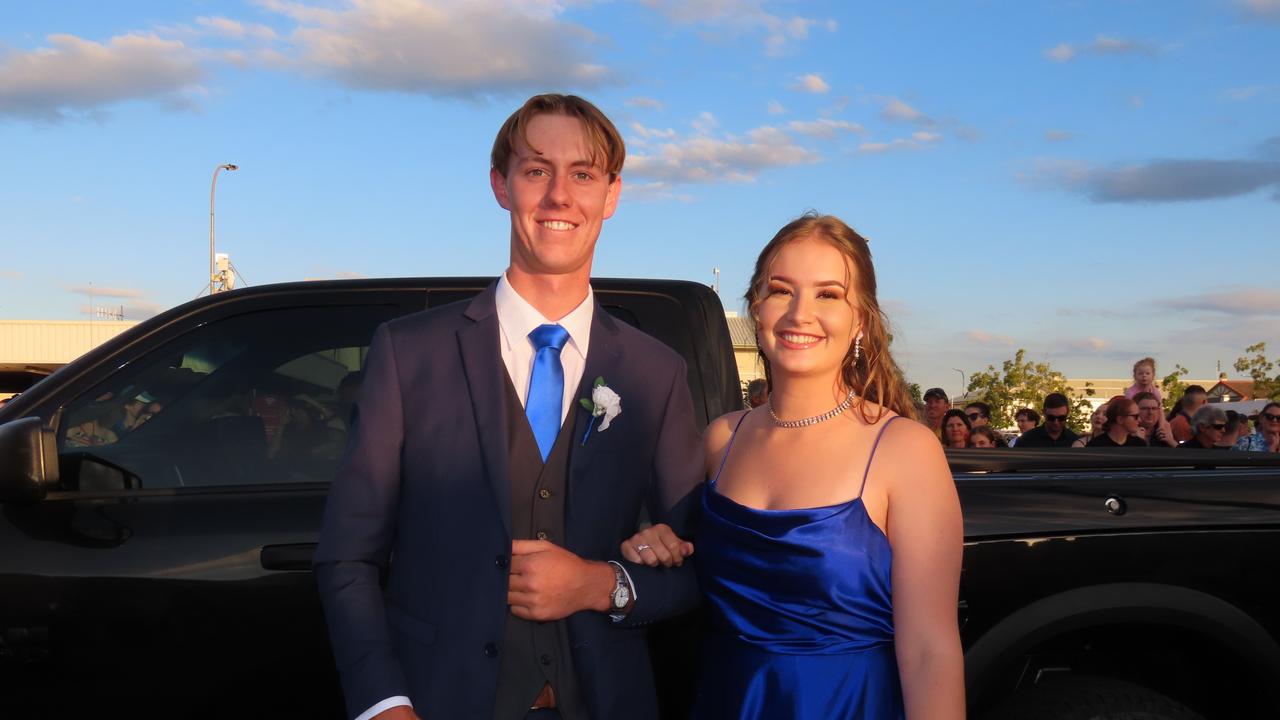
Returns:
<point x="806" y="317"/>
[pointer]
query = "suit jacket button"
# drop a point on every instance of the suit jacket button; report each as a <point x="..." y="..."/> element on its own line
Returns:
<point x="544" y="493"/>
<point x="500" y="561"/>
<point x="490" y="650"/>
<point x="541" y="535"/>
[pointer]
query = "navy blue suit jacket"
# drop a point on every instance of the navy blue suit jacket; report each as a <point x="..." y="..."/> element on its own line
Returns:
<point x="413" y="557"/>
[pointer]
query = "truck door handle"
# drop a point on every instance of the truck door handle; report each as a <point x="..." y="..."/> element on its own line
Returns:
<point x="293" y="556"/>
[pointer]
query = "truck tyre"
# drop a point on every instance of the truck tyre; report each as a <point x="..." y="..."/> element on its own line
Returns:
<point x="1090" y="698"/>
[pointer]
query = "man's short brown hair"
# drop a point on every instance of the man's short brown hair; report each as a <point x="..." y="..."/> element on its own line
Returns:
<point x="607" y="148"/>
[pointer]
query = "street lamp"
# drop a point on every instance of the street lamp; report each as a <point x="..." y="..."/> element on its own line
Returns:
<point x="964" y="384"/>
<point x="213" y="187"/>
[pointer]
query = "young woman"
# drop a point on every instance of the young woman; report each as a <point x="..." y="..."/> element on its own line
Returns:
<point x="955" y="429"/>
<point x="1144" y="380"/>
<point x="829" y="549"/>
<point x="985" y="436"/>
<point x="1120" y="426"/>
<point x="1097" y="426"/>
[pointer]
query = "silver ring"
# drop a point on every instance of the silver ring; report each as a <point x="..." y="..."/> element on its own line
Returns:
<point x="641" y="548"/>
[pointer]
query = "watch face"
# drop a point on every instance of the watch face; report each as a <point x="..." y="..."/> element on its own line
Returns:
<point x="621" y="597"/>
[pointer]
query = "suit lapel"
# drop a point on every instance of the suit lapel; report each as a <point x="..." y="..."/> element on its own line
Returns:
<point x="486" y="381"/>
<point x="602" y="358"/>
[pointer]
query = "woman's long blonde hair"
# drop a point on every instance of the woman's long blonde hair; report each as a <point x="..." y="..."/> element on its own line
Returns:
<point x="874" y="376"/>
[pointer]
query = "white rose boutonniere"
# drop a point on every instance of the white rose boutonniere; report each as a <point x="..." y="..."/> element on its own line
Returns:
<point x="604" y="403"/>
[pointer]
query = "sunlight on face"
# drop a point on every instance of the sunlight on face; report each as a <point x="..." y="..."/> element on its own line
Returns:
<point x="807" y="320"/>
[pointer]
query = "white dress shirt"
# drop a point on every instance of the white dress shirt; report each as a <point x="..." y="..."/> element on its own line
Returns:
<point x="516" y="319"/>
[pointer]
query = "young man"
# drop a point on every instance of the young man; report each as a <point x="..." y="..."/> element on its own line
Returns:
<point x="1151" y="423"/>
<point x="936" y="405"/>
<point x="979" y="413"/>
<point x="456" y="579"/>
<point x="1192" y="400"/>
<point x="1026" y="419"/>
<point x="1054" y="432"/>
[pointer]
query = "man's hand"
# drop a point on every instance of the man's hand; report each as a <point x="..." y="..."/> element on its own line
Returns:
<point x="550" y="583"/>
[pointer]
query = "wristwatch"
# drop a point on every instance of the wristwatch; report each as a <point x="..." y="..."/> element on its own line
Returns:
<point x="622" y="595"/>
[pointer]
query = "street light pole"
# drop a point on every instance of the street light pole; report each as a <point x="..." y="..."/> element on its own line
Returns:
<point x="213" y="187"/>
<point x="964" y="383"/>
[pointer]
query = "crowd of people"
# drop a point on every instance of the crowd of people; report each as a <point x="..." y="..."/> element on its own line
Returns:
<point x="1135" y="418"/>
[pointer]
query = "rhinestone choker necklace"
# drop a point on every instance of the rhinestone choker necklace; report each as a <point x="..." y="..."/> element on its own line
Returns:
<point x="805" y="422"/>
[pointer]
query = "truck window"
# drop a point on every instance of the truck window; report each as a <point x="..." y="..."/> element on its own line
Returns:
<point x="263" y="397"/>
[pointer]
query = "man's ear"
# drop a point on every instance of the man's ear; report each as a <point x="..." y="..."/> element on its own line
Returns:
<point x="611" y="200"/>
<point x="499" y="185"/>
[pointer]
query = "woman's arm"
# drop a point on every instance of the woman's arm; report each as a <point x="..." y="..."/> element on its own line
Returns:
<point x="926" y="533"/>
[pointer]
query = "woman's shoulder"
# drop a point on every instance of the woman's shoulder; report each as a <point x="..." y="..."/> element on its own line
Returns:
<point x="721" y="429"/>
<point x="899" y="433"/>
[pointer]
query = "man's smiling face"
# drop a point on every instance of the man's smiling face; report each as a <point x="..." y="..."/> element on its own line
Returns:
<point x="558" y="198"/>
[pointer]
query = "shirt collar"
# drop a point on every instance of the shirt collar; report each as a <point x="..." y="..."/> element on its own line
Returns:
<point x="517" y="318"/>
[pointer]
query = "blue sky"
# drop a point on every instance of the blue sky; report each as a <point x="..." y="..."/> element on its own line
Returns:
<point x="1093" y="181"/>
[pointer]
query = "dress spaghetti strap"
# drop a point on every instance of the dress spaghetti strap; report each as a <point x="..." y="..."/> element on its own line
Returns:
<point x="729" y="447"/>
<point x="871" y="457"/>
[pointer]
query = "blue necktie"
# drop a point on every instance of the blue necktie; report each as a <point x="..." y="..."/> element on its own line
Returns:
<point x="546" y="386"/>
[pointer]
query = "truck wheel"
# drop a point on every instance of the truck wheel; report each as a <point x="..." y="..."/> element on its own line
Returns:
<point x="1090" y="698"/>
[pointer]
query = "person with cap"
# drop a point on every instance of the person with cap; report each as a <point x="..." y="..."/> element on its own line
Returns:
<point x="936" y="404"/>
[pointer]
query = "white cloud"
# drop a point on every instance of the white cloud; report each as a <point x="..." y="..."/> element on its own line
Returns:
<point x="646" y="102"/>
<point x="1055" y="136"/>
<point x="1240" y="302"/>
<point x="450" y="49"/>
<point x="775" y="108"/>
<point x="982" y="337"/>
<point x="73" y="75"/>
<point x="227" y="27"/>
<point x="896" y="110"/>
<point x="1180" y="180"/>
<point x="826" y="129"/>
<point x="741" y="16"/>
<point x="705" y="123"/>
<point x="1101" y="45"/>
<point x="811" y="83"/>
<point x="10" y="274"/>
<point x="104" y="292"/>
<point x="925" y="137"/>
<point x="1085" y="345"/>
<point x="1248" y="93"/>
<point x="703" y="159"/>
<point x="653" y="192"/>
<point x="1265" y="9"/>
<point x="1062" y="52"/>
<point x="1108" y="45"/>
<point x="647" y="133"/>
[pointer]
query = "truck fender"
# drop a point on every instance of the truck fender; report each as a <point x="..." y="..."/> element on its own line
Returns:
<point x="1135" y="603"/>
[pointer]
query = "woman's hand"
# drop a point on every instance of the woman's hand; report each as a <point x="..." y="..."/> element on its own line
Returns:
<point x="656" y="545"/>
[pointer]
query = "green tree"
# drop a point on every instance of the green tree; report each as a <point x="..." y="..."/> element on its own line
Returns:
<point x="913" y="390"/>
<point x="1172" y="387"/>
<point x="1020" y="382"/>
<point x="1266" y="382"/>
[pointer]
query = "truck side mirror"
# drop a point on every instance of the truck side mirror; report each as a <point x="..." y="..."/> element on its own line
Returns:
<point x="28" y="460"/>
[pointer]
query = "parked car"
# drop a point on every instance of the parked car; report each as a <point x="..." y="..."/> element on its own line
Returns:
<point x="160" y="499"/>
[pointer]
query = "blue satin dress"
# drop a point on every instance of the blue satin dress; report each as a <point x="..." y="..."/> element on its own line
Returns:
<point x="801" y="611"/>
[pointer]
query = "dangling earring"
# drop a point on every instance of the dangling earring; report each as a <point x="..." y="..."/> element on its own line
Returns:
<point x="857" y="349"/>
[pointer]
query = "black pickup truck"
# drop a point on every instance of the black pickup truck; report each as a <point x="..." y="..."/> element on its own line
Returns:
<point x="160" y="499"/>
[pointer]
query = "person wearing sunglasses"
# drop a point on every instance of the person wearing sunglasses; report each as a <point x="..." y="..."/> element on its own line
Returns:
<point x="1120" y="426"/>
<point x="1207" y="428"/>
<point x="979" y="413"/>
<point x="1267" y="436"/>
<point x="1054" y="432"/>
